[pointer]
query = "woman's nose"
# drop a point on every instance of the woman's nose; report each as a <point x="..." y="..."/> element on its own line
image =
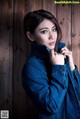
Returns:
<point x="50" y="36"/>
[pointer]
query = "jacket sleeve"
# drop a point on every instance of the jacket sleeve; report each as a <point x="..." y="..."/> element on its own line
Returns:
<point x="76" y="80"/>
<point x="46" y="94"/>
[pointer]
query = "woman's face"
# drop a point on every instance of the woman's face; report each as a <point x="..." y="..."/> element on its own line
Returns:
<point x="46" y="34"/>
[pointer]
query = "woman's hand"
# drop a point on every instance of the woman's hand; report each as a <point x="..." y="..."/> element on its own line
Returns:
<point x="68" y="53"/>
<point x="56" y="58"/>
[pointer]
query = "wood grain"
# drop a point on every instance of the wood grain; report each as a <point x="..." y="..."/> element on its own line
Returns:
<point x="76" y="34"/>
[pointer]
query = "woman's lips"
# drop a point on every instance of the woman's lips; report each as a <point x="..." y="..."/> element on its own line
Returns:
<point x="52" y="43"/>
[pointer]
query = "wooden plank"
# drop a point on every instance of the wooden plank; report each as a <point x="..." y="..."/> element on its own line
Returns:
<point x="76" y="34"/>
<point x="36" y="4"/>
<point x="64" y="19"/>
<point x="6" y="55"/>
<point x="49" y="6"/>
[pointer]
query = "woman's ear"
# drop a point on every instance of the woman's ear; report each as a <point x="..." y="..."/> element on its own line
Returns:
<point x="30" y="36"/>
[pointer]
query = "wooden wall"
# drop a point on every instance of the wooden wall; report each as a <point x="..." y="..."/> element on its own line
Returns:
<point x="14" y="49"/>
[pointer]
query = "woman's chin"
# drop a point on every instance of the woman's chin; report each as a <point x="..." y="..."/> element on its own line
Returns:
<point x="51" y="47"/>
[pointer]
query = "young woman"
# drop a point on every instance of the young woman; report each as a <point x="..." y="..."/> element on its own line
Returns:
<point x="50" y="78"/>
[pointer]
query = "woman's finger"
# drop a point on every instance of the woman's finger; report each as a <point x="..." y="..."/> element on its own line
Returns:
<point x="65" y="48"/>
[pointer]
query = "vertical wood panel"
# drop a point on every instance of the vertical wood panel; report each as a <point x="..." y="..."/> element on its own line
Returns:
<point x="6" y="55"/>
<point x="20" y="53"/>
<point x="49" y="6"/>
<point x="64" y="19"/>
<point x="76" y="34"/>
<point x="36" y="4"/>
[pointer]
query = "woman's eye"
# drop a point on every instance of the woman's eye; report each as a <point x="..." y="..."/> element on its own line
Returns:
<point x="54" y="29"/>
<point x="44" y="32"/>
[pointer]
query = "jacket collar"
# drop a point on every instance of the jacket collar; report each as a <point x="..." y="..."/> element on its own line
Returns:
<point x="42" y="52"/>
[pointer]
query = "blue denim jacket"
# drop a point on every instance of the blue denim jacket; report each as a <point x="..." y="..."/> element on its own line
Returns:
<point x="53" y="89"/>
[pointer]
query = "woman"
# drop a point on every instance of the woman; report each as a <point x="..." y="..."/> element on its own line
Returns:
<point x="50" y="78"/>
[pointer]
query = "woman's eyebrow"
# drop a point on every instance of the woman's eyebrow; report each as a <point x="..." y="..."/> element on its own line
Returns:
<point x="45" y="28"/>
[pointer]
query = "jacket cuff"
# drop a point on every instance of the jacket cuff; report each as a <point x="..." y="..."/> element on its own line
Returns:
<point x="59" y="68"/>
<point x="75" y="71"/>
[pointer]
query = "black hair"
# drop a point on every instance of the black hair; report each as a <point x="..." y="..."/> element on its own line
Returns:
<point x="34" y="18"/>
